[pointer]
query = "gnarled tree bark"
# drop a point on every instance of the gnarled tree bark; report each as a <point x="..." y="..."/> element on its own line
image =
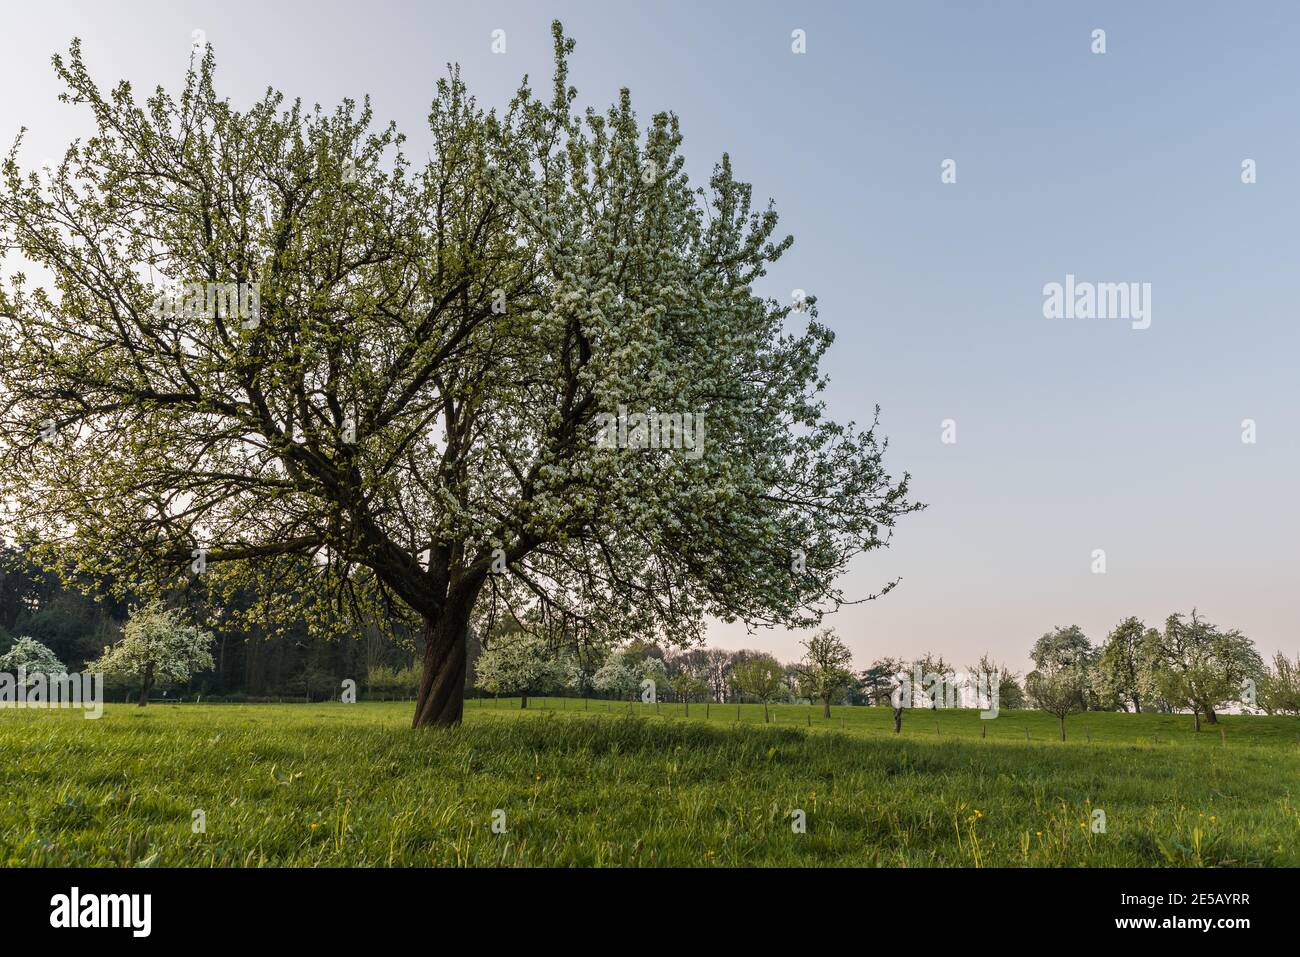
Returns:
<point x="441" y="699"/>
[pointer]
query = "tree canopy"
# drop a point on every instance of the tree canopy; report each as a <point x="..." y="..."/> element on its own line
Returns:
<point x="32" y="656"/>
<point x="824" y="671"/>
<point x="1125" y="667"/>
<point x="1202" y="667"/>
<point x="157" y="645"/>
<point x="519" y="663"/>
<point x="276" y="349"/>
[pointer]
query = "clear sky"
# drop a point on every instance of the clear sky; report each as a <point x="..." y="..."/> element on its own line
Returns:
<point x="1072" y="434"/>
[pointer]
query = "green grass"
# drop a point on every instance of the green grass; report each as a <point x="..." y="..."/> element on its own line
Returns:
<point x="352" y="785"/>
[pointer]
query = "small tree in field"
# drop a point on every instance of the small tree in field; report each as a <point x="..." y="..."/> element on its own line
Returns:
<point x="1067" y="649"/>
<point x="157" y="645"/>
<point x="931" y="673"/>
<point x="625" y="671"/>
<point x="760" y="677"/>
<point x="1200" y="667"/>
<point x="824" y="671"/>
<point x="994" y="676"/>
<point x="1060" y="687"/>
<point x="620" y="675"/>
<point x="687" y="685"/>
<point x="519" y="663"/>
<point x="879" y="680"/>
<point x="1124" y="668"/>
<point x="33" y="657"/>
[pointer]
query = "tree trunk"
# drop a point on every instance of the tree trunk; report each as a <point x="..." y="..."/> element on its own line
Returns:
<point x="1062" y="717"/>
<point x="441" y="700"/>
<point x="898" y="720"/>
<point x="1137" y="705"/>
<point x="523" y="701"/>
<point x="1196" y="718"/>
<point x="826" y="709"/>
<point x="1211" y="717"/>
<point x="765" y="712"/>
<point x="146" y="685"/>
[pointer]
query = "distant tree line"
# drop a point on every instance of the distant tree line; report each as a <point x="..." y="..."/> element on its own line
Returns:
<point x="1191" y="666"/>
<point x="279" y="661"/>
<point x="521" y="661"/>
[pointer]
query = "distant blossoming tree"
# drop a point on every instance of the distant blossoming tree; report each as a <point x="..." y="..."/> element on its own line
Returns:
<point x="620" y="675"/>
<point x="1060" y="687"/>
<point x="32" y="656"/>
<point x="520" y="662"/>
<point x="625" y="673"/>
<point x="1125" y="671"/>
<point x="157" y="646"/>
<point x="1201" y="667"/>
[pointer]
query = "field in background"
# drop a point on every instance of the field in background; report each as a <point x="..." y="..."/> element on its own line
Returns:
<point x="609" y="783"/>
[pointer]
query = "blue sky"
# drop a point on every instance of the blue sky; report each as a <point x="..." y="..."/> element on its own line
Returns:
<point x="1072" y="435"/>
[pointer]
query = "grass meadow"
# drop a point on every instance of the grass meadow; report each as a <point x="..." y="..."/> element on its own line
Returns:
<point x="573" y="783"/>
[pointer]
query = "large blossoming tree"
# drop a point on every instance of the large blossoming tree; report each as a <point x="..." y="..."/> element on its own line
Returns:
<point x="396" y="402"/>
